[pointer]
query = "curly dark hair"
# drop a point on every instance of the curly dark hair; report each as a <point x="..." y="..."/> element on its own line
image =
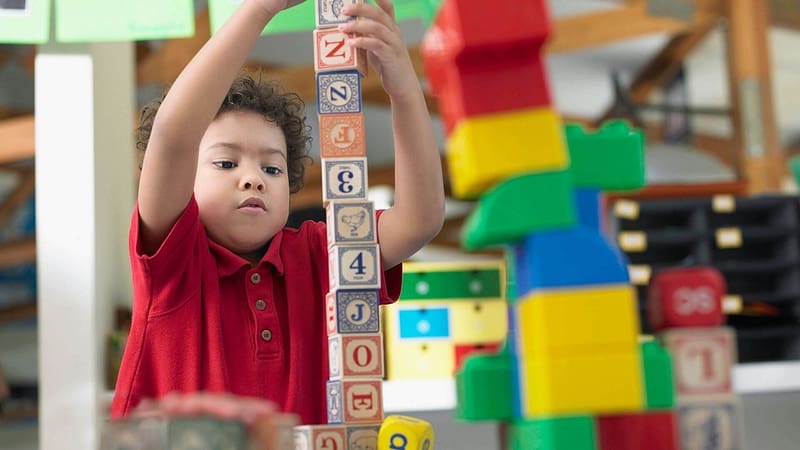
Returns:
<point x="266" y="98"/>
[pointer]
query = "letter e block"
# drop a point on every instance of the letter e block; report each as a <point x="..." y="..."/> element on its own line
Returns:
<point x="342" y="135"/>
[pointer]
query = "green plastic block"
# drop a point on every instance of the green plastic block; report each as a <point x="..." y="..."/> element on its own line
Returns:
<point x="519" y="206"/>
<point x="429" y="9"/>
<point x="610" y="159"/>
<point x="511" y="272"/>
<point x="658" y="377"/>
<point x="554" y="433"/>
<point x="483" y="388"/>
<point x="794" y="167"/>
<point x="453" y="284"/>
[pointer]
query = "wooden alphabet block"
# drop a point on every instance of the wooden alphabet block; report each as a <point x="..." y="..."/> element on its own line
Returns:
<point x="350" y="223"/>
<point x="405" y="433"/>
<point x="354" y="267"/>
<point x="339" y="92"/>
<point x="331" y="52"/>
<point x="686" y="297"/>
<point x="711" y="425"/>
<point x="363" y="437"/>
<point x="328" y="13"/>
<point x="352" y="311"/>
<point x="344" y="179"/>
<point x="320" y="437"/>
<point x="703" y="360"/>
<point x="342" y="135"/>
<point x="355" y="401"/>
<point x="355" y="356"/>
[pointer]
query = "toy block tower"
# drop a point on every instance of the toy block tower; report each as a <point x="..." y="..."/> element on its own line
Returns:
<point x="684" y="308"/>
<point x="355" y="346"/>
<point x="573" y="373"/>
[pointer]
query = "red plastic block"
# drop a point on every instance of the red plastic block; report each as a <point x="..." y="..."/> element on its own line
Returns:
<point x="686" y="297"/>
<point x="475" y="27"/>
<point x="649" y="430"/>
<point x="464" y="350"/>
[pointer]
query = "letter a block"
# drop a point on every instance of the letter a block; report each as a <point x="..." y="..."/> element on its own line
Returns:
<point x="320" y="437"/>
<point x="344" y="179"/>
<point x="352" y="311"/>
<point x="331" y="52"/>
<point x="354" y="267"/>
<point x="355" y="401"/>
<point x="355" y="355"/>
<point x="405" y="433"/>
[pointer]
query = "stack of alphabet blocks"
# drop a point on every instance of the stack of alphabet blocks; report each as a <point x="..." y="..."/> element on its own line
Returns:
<point x="355" y="347"/>
<point x="685" y="310"/>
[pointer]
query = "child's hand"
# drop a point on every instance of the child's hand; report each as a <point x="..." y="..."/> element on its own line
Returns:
<point x="386" y="51"/>
<point x="276" y="6"/>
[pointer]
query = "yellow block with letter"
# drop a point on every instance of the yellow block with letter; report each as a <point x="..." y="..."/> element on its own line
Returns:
<point x="405" y="433"/>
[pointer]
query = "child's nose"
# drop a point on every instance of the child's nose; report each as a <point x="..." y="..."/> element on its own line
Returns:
<point x="252" y="182"/>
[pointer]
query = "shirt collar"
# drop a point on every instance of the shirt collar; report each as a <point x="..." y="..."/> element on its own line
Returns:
<point x="229" y="263"/>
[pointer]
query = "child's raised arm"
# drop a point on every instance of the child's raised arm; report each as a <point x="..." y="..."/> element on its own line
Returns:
<point x="170" y="161"/>
<point x="418" y="211"/>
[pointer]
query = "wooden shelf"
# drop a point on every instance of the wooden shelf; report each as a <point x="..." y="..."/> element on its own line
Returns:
<point x="16" y="252"/>
<point x="27" y="311"/>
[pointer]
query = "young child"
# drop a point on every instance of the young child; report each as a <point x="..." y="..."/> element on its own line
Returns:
<point x="226" y="299"/>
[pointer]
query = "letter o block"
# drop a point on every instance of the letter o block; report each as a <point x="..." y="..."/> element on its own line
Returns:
<point x="405" y="433"/>
<point x="686" y="297"/>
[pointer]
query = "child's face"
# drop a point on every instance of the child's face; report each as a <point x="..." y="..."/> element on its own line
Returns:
<point x="242" y="185"/>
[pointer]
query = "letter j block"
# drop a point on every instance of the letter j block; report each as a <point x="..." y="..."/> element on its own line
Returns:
<point x="352" y="311"/>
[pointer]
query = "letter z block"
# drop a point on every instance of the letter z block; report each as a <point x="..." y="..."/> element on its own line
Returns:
<point x="482" y="151"/>
<point x="350" y="223"/>
<point x="331" y="52"/>
<point x="354" y="267"/>
<point x="344" y="179"/>
<point x="686" y="297"/>
<point x="352" y="311"/>
<point x="355" y="401"/>
<point x="320" y="437"/>
<point x="339" y="92"/>
<point x="355" y="356"/>
<point x="405" y="433"/>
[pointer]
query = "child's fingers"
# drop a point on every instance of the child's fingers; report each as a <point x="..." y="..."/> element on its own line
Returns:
<point x="367" y="11"/>
<point x="388" y="7"/>
<point x="371" y="29"/>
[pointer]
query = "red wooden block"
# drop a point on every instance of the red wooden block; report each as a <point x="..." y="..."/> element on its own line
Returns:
<point x="464" y="350"/>
<point x="686" y="297"/>
<point x="476" y="27"/>
<point x="647" y="430"/>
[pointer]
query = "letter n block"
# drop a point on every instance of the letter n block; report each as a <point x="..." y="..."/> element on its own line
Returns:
<point x="331" y="52"/>
<point x="344" y="179"/>
<point x="355" y="356"/>
<point x="355" y="401"/>
<point x="320" y="437"/>
<point x="354" y="267"/>
<point x="350" y="223"/>
<point x="703" y="360"/>
<point x="353" y="311"/>
<point x="686" y="297"/>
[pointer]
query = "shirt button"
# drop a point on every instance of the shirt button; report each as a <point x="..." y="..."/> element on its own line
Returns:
<point x="266" y="335"/>
<point x="261" y="305"/>
<point x="255" y="278"/>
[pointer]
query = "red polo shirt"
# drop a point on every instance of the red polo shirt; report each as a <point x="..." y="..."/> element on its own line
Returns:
<point x="204" y="319"/>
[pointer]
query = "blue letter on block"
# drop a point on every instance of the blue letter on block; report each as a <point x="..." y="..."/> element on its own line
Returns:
<point x="563" y="258"/>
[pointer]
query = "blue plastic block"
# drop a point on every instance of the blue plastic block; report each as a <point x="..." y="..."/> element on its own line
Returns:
<point x="567" y="258"/>
<point x="424" y="323"/>
<point x="587" y="202"/>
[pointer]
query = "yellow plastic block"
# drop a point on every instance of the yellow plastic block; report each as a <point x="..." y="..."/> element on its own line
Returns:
<point x="487" y="149"/>
<point x="419" y="360"/>
<point x="587" y="384"/>
<point x="405" y="433"/>
<point x="476" y="322"/>
<point x="577" y="321"/>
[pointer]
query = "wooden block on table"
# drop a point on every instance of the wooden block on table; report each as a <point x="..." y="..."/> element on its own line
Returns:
<point x="339" y="92"/>
<point x="332" y="53"/>
<point x="350" y="223"/>
<point x="344" y="179"/>
<point x="363" y="437"/>
<point x="342" y="135"/>
<point x="354" y="267"/>
<point x="353" y="401"/>
<point x="352" y="311"/>
<point x="355" y="356"/>
<point x="703" y="360"/>
<point x="320" y="437"/>
<point x="405" y="433"/>
<point x="711" y="425"/>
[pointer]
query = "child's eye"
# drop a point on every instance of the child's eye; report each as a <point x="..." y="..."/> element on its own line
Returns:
<point x="225" y="164"/>
<point x="272" y="170"/>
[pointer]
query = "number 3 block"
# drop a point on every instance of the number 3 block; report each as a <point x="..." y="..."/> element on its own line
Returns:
<point x="344" y="179"/>
<point x="354" y="267"/>
<point x="703" y="360"/>
<point x="354" y="356"/>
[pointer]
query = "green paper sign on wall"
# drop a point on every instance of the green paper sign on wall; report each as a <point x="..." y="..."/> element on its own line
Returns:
<point x="24" y="21"/>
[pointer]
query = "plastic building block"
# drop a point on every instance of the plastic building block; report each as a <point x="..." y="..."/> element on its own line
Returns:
<point x="485" y="150"/>
<point x="569" y="432"/>
<point x="602" y="383"/>
<point x="482" y="388"/>
<point x="476" y="322"/>
<point x="419" y="360"/>
<point x="569" y="257"/>
<point x="611" y="159"/>
<point x="463" y="351"/>
<point x="652" y="430"/>
<point x="429" y="321"/>
<point x="587" y="202"/>
<point x="520" y="206"/>
<point x="713" y="424"/>
<point x="405" y="433"/>
<point x="472" y="27"/>
<point x="576" y="322"/>
<point x="703" y="360"/>
<point x="686" y="297"/>
<point x="453" y="281"/>
<point x="658" y="376"/>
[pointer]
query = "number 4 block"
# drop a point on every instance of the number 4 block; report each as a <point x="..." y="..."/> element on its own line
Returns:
<point x="354" y="267"/>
